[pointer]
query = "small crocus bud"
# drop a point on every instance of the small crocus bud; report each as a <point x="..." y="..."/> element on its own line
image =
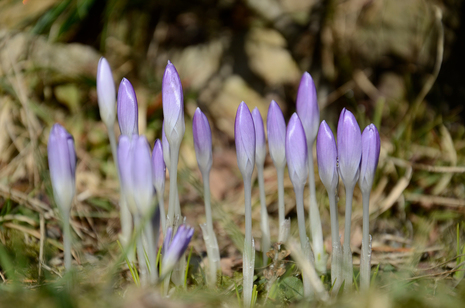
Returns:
<point x="244" y="135"/>
<point x="307" y="107"/>
<point x="141" y="175"/>
<point x="276" y="127"/>
<point x="124" y="163"/>
<point x="326" y="153"/>
<point x="106" y="92"/>
<point x="166" y="147"/>
<point x="260" y="140"/>
<point x="296" y="152"/>
<point x="202" y="141"/>
<point x="349" y="148"/>
<point x="371" y="144"/>
<point x="158" y="167"/>
<point x="127" y="109"/>
<point x="173" y="106"/>
<point x="173" y="249"/>
<point x="62" y="165"/>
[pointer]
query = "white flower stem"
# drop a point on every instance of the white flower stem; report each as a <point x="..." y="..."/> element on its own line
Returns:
<point x="365" y="261"/>
<point x="67" y="241"/>
<point x="161" y="205"/>
<point x="281" y="207"/>
<point x="151" y="252"/>
<point x="249" y="250"/>
<point x="248" y="210"/>
<point x="173" y="207"/>
<point x="141" y="255"/>
<point x="348" y="267"/>
<point x="315" y="219"/>
<point x="299" y="197"/>
<point x="264" y="224"/>
<point x="336" y="259"/>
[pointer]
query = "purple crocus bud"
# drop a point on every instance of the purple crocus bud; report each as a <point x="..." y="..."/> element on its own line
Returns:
<point x="349" y="148"/>
<point x="296" y="152"/>
<point x="307" y="107"/>
<point x="62" y="165"/>
<point x="158" y="167"/>
<point x="260" y="140"/>
<point x="202" y="141"/>
<point x="276" y="127"/>
<point x="173" y="106"/>
<point x="173" y="249"/>
<point x="326" y="154"/>
<point x="166" y="147"/>
<point x="141" y="174"/>
<point x="371" y="145"/>
<point x="106" y="93"/>
<point x="124" y="154"/>
<point x="244" y="135"/>
<point x="127" y="109"/>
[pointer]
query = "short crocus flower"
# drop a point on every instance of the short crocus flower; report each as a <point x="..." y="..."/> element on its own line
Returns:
<point x="244" y="135"/>
<point x="349" y="146"/>
<point x="174" y="247"/>
<point x="371" y="145"/>
<point x="296" y="151"/>
<point x="260" y="140"/>
<point x="173" y="106"/>
<point x="307" y="107"/>
<point x="106" y="93"/>
<point x="62" y="165"/>
<point x="202" y="141"/>
<point x="159" y="177"/>
<point x="276" y="127"/>
<point x="127" y="109"/>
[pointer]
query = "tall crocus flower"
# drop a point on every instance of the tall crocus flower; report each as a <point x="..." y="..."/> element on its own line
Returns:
<point x="107" y="105"/>
<point x="175" y="246"/>
<point x="326" y="152"/>
<point x="62" y="165"/>
<point x="296" y="156"/>
<point x="371" y="145"/>
<point x="203" y="152"/>
<point x="349" y="146"/>
<point x="276" y="127"/>
<point x="309" y="113"/>
<point x="127" y="109"/>
<point x="174" y="127"/>
<point x="260" y="155"/>
<point x="244" y="135"/>
<point x="159" y="177"/>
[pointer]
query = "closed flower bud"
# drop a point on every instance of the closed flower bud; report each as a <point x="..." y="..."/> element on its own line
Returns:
<point x="349" y="148"/>
<point x="326" y="153"/>
<point x="158" y="167"/>
<point x="260" y="140"/>
<point x="124" y="157"/>
<point x="244" y="135"/>
<point x="173" y="106"/>
<point x="106" y="93"/>
<point x="141" y="175"/>
<point x="173" y="249"/>
<point x="127" y="109"/>
<point x="62" y="165"/>
<point x="202" y="141"/>
<point x="307" y="106"/>
<point x="371" y="144"/>
<point x="296" y="152"/>
<point x="276" y="127"/>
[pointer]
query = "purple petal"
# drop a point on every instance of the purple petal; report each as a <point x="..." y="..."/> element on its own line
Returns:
<point x="349" y="147"/>
<point x="124" y="163"/>
<point x="326" y="153"/>
<point x="260" y="140"/>
<point x="244" y="135"/>
<point x="371" y="145"/>
<point x="173" y="105"/>
<point x="202" y="141"/>
<point x="307" y="106"/>
<point x="166" y="146"/>
<point x="106" y="92"/>
<point x="127" y="109"/>
<point x="158" y="166"/>
<point x="296" y="151"/>
<point x="142" y="175"/>
<point x="276" y="126"/>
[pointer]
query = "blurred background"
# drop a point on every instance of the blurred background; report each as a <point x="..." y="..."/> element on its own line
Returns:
<point x="396" y="63"/>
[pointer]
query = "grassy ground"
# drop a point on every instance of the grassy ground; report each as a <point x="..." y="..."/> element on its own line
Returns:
<point x="381" y="60"/>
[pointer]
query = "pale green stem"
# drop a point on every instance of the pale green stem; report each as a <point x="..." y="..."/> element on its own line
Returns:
<point x="151" y="252"/>
<point x="336" y="259"/>
<point x="173" y="208"/>
<point x="365" y="266"/>
<point x="281" y="207"/>
<point x="161" y="204"/>
<point x="264" y="224"/>
<point x="348" y="267"/>
<point x="67" y="241"/>
<point x="141" y="254"/>
<point x="248" y="210"/>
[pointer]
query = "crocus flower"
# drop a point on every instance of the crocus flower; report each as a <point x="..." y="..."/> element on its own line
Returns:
<point x="174" y="248"/>
<point x="370" y="154"/>
<point x="202" y="141"/>
<point x="158" y="166"/>
<point x="127" y="109"/>
<point x="124" y="156"/>
<point x="307" y="107"/>
<point x="260" y="140"/>
<point x="326" y="153"/>
<point x="276" y="127"/>
<point x="106" y="92"/>
<point x="141" y="175"/>
<point x="296" y="151"/>
<point x="165" y="146"/>
<point x="173" y="106"/>
<point x="244" y="134"/>
<point x="349" y="146"/>
<point x="62" y="164"/>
